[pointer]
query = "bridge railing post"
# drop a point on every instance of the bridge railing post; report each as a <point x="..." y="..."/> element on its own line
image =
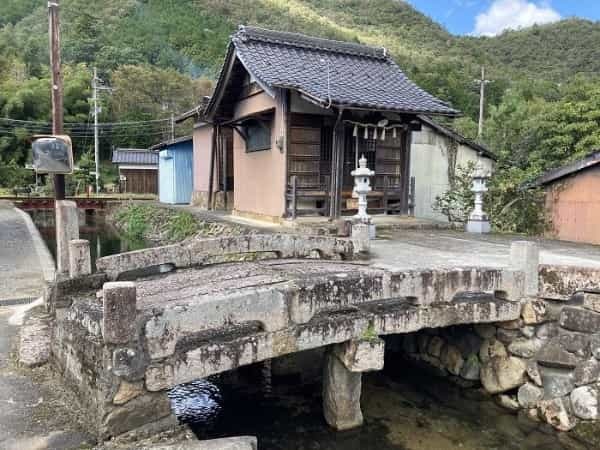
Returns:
<point x="525" y="257"/>
<point x="67" y="229"/>
<point x="80" y="260"/>
<point x="119" y="312"/>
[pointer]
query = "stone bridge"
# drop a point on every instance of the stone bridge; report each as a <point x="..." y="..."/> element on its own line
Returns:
<point x="208" y="306"/>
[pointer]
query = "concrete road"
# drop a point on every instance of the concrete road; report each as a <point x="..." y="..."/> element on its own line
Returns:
<point x="406" y="249"/>
<point x="36" y="413"/>
<point x="25" y="261"/>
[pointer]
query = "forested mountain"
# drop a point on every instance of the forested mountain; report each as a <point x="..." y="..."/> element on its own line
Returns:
<point x="159" y="56"/>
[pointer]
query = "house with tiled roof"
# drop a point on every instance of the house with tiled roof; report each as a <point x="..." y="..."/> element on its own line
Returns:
<point x="138" y="170"/>
<point x="291" y="115"/>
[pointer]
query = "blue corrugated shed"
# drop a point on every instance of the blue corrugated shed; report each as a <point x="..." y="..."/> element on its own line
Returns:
<point x="175" y="171"/>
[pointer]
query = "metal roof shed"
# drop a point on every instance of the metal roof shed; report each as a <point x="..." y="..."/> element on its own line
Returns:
<point x="175" y="171"/>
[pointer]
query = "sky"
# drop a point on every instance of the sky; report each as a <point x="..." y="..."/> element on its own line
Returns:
<point x="491" y="17"/>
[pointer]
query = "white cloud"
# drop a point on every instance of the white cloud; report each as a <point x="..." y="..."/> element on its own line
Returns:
<point x="513" y="14"/>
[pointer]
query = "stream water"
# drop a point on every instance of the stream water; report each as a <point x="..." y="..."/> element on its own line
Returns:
<point x="104" y="238"/>
<point x="403" y="407"/>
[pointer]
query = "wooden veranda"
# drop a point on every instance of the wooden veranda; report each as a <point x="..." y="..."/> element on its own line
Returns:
<point x="323" y="151"/>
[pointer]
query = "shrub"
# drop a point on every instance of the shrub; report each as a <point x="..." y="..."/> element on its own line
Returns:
<point x="457" y="202"/>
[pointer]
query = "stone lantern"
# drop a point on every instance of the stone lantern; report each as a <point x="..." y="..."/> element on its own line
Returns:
<point x="362" y="186"/>
<point x="362" y="229"/>
<point x="478" y="220"/>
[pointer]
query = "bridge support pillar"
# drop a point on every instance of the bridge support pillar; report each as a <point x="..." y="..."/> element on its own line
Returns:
<point x="342" y="380"/>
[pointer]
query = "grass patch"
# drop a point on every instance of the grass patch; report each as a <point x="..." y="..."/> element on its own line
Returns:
<point x="134" y="220"/>
<point x="181" y="226"/>
<point x="140" y="221"/>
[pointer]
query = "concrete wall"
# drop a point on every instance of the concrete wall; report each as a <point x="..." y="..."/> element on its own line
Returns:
<point x="259" y="177"/>
<point x="573" y="207"/>
<point x="429" y="166"/>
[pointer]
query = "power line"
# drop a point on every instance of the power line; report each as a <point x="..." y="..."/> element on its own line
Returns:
<point x="9" y="132"/>
<point x="47" y="124"/>
<point x="83" y="129"/>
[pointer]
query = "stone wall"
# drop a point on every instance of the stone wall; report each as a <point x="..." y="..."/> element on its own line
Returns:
<point x="545" y="364"/>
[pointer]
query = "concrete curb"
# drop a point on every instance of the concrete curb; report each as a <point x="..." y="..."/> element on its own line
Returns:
<point x="44" y="255"/>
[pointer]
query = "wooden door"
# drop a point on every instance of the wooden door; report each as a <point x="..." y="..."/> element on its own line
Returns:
<point x="140" y="181"/>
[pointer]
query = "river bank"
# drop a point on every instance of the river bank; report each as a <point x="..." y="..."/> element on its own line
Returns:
<point x="161" y="225"/>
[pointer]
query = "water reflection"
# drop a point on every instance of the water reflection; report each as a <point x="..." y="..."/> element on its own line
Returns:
<point x="403" y="407"/>
<point x="198" y="402"/>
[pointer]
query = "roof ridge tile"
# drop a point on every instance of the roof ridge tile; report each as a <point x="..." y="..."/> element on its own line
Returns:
<point x="249" y="33"/>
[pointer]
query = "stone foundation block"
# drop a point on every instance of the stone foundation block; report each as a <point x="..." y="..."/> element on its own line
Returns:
<point x="578" y="319"/>
<point x="553" y="355"/>
<point x="138" y="412"/>
<point x="534" y="312"/>
<point x="556" y="413"/>
<point x="556" y="382"/>
<point x="529" y="395"/>
<point x="80" y="262"/>
<point x="584" y="401"/>
<point x="587" y="372"/>
<point x="364" y="355"/>
<point x="200" y="199"/>
<point x="128" y="391"/>
<point x="341" y="395"/>
<point x="361" y="238"/>
<point x="234" y="443"/>
<point x="119" y="303"/>
<point x="591" y="301"/>
<point x="503" y="374"/>
<point x="34" y="340"/>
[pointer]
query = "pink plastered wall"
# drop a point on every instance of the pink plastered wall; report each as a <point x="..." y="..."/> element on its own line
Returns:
<point x="259" y="176"/>
<point x="202" y="138"/>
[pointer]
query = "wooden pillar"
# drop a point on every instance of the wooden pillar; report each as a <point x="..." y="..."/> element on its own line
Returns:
<point x="211" y="174"/>
<point x="337" y="166"/>
<point x="405" y="201"/>
<point x="294" y="204"/>
<point x="282" y="139"/>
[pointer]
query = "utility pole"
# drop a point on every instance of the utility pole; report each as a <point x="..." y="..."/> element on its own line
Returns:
<point x="482" y="82"/>
<point x="67" y="227"/>
<point x="96" y="144"/>
<point x="57" y="87"/>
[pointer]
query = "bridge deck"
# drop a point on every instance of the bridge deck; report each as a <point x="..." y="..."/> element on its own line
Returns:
<point x="444" y="248"/>
<point x="196" y="285"/>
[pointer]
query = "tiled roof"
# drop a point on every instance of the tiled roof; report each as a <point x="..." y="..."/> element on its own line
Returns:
<point x="591" y="160"/>
<point x="342" y="74"/>
<point x="134" y="156"/>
